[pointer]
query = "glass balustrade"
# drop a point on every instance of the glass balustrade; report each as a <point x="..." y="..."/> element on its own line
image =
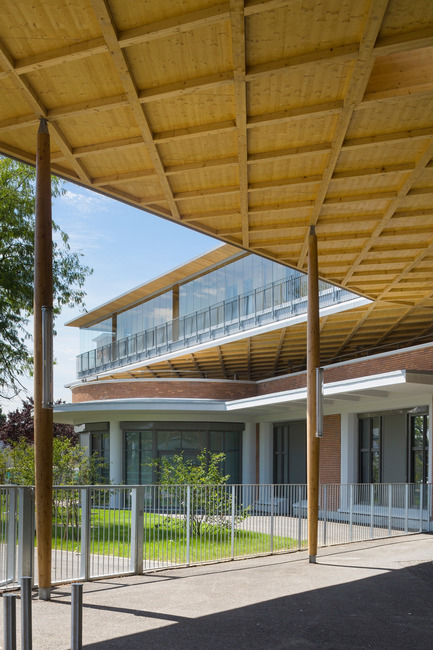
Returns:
<point x="272" y="303"/>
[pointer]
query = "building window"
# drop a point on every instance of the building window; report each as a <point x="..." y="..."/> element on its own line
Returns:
<point x="370" y="440"/>
<point x="147" y="441"/>
<point x="290" y="453"/>
<point x="418" y="431"/>
<point x="100" y="446"/>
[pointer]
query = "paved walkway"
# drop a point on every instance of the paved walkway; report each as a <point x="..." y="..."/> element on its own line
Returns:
<point x="376" y="594"/>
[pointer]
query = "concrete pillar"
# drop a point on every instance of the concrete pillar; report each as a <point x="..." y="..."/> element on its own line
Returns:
<point x="266" y="470"/>
<point x="249" y="453"/>
<point x="349" y="448"/>
<point x="116" y="453"/>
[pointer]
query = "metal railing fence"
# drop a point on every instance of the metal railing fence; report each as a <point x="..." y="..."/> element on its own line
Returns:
<point x="101" y="531"/>
<point x="274" y="302"/>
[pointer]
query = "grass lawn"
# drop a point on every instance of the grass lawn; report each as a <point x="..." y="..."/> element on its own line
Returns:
<point x="165" y="538"/>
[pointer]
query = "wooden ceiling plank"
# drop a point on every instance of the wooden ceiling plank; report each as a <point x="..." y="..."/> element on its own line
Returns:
<point x="413" y="177"/>
<point x="358" y="82"/>
<point x="180" y="88"/>
<point x="317" y="57"/>
<point x="173" y="26"/>
<point x="35" y="103"/>
<point x="404" y="41"/>
<point x="240" y="93"/>
<point x="103" y="14"/>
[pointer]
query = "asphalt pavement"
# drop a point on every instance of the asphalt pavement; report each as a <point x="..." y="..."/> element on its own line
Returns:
<point x="376" y="594"/>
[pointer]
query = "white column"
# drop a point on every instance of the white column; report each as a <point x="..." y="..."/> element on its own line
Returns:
<point x="116" y="453"/>
<point x="266" y="453"/>
<point x="249" y="453"/>
<point x="349" y="448"/>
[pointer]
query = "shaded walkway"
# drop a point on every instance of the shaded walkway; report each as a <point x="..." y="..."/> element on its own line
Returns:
<point x="372" y="595"/>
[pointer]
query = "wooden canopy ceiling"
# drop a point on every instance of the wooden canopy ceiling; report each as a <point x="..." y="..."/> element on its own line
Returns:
<point x="247" y="120"/>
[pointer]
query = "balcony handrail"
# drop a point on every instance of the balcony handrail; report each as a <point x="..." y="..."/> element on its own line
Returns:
<point x="272" y="302"/>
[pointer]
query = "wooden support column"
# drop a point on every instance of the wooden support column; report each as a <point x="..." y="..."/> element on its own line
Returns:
<point x="313" y="360"/>
<point x="43" y="417"/>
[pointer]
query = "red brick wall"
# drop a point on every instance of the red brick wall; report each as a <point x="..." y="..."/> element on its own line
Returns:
<point x="419" y="359"/>
<point x="206" y="389"/>
<point x="330" y="450"/>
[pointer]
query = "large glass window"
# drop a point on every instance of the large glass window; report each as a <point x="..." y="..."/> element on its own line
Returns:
<point x="418" y="426"/>
<point x="158" y="441"/>
<point x="370" y="450"/>
<point x="100" y="446"/>
<point x="138" y="457"/>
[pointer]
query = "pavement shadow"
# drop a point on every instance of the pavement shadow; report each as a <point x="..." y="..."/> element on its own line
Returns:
<point x="391" y="611"/>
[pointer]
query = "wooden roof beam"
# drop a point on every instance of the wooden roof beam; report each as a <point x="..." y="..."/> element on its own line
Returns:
<point x="404" y="190"/>
<point x="358" y="82"/>
<point x="39" y="109"/>
<point x="120" y="62"/>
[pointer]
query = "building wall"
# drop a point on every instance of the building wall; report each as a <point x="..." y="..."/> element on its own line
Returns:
<point x="330" y="450"/>
<point x="411" y="359"/>
<point x="199" y="389"/>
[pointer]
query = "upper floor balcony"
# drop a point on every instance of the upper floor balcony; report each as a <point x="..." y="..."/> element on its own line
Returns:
<point x="273" y="303"/>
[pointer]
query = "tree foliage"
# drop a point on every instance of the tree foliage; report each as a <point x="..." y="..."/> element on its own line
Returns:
<point x="201" y="485"/>
<point x="17" y="229"/>
<point x="18" y="426"/>
<point x="71" y="464"/>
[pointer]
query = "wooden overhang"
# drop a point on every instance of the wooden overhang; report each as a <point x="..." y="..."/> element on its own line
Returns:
<point x="249" y="121"/>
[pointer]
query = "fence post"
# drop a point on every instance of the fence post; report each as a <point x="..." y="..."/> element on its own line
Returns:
<point x="77" y="616"/>
<point x="371" y="511"/>
<point x="26" y="613"/>
<point x="26" y="532"/>
<point x="430" y="506"/>
<point x="272" y="519"/>
<point x="233" y="522"/>
<point x="85" y="534"/>
<point x="389" y="509"/>
<point x="351" y="512"/>
<point x="188" y="522"/>
<point x="11" y="536"/>
<point x="10" y="621"/>
<point x="325" y="513"/>
<point x="421" y="501"/>
<point x="137" y="530"/>
<point x="299" y="518"/>
<point x="406" y="507"/>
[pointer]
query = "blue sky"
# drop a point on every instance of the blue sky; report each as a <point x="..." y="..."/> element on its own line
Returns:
<point x="125" y="247"/>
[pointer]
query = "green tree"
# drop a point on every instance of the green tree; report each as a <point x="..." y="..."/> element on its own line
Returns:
<point x="211" y="502"/>
<point x="71" y="464"/>
<point x="17" y="227"/>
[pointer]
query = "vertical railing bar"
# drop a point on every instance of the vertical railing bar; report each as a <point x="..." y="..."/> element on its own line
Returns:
<point x="389" y="509"/>
<point x="188" y="522"/>
<point x="371" y="510"/>
<point x="272" y="520"/>
<point x="421" y="501"/>
<point x="233" y="523"/>
<point x="85" y="534"/>
<point x="325" y="514"/>
<point x="351" y="512"/>
<point x="11" y="536"/>
<point x="406" y="508"/>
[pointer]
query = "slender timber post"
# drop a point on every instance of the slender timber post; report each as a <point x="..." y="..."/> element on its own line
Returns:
<point x="313" y="359"/>
<point x="43" y="417"/>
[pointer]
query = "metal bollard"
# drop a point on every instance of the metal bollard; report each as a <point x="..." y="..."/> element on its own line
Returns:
<point x="26" y="614"/>
<point x="77" y="616"/>
<point x="10" y="621"/>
